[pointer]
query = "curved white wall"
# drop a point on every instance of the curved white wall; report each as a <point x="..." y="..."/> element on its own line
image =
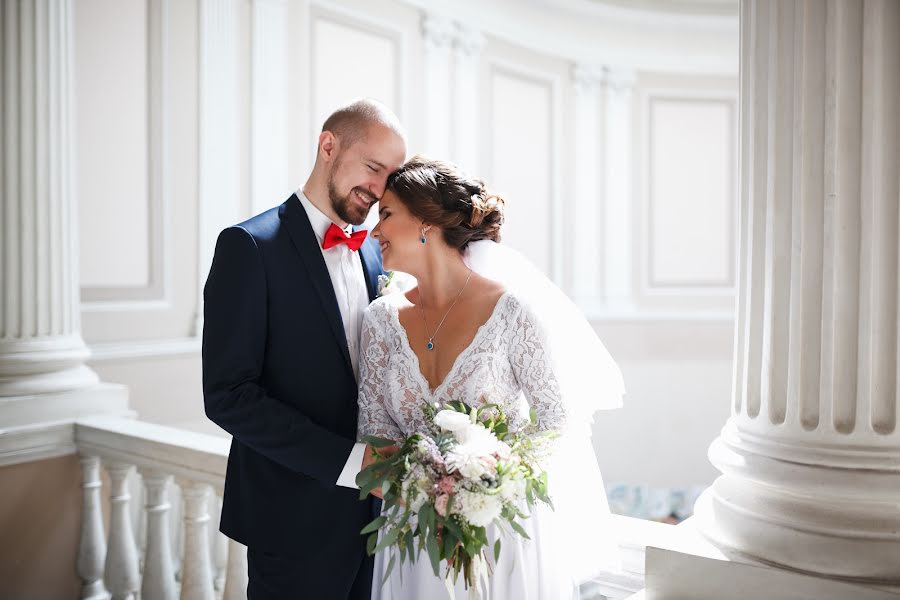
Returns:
<point x="613" y="138"/>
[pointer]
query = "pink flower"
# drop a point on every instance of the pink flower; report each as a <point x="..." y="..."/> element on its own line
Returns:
<point x="445" y="485"/>
<point x="440" y="504"/>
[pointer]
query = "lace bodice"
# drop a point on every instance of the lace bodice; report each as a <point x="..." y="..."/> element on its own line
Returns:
<point x="507" y="364"/>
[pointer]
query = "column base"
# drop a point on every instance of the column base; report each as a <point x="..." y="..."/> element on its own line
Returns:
<point x="817" y="519"/>
<point x="102" y="398"/>
<point x="46" y="365"/>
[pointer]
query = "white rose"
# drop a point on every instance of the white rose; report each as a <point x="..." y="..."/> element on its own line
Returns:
<point x="451" y="420"/>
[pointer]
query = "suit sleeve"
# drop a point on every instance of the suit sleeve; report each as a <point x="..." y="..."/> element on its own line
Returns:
<point x="234" y="341"/>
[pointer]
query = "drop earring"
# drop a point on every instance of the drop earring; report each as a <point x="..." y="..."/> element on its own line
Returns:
<point x="423" y="235"/>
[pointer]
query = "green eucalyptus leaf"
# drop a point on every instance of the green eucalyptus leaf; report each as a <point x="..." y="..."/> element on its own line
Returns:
<point x="519" y="530"/>
<point x="433" y="552"/>
<point x="374" y="525"/>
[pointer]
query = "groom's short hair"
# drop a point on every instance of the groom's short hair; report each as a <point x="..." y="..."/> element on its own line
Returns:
<point x="351" y="122"/>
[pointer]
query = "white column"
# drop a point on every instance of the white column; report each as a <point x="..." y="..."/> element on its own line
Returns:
<point x="618" y="200"/>
<point x="587" y="286"/>
<point x="91" y="546"/>
<point x="158" y="579"/>
<point x="121" y="574"/>
<point x="196" y="571"/>
<point x="438" y="33"/>
<point x="223" y="199"/>
<point x="811" y="454"/>
<point x="269" y="177"/>
<point x="41" y="349"/>
<point x="467" y="136"/>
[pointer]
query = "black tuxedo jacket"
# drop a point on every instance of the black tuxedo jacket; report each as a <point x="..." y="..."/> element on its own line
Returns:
<point x="277" y="376"/>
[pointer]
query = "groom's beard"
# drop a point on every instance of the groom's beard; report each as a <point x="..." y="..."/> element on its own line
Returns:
<point x="345" y="207"/>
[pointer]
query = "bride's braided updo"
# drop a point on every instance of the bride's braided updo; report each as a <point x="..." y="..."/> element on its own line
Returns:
<point x="440" y="194"/>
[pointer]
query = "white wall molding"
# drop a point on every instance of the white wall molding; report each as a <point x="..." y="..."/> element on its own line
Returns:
<point x="144" y="349"/>
<point x="635" y="40"/>
<point x="367" y="23"/>
<point x="552" y="82"/>
<point x="157" y="294"/>
<point x="650" y="285"/>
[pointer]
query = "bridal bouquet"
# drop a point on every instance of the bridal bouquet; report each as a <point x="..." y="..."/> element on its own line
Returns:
<point x="468" y="472"/>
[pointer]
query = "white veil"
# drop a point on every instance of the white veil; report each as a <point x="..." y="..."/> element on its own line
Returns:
<point x="589" y="380"/>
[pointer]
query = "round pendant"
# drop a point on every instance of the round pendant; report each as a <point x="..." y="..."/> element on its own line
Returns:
<point x="430" y="346"/>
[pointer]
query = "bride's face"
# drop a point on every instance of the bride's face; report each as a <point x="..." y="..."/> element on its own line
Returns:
<point x="399" y="234"/>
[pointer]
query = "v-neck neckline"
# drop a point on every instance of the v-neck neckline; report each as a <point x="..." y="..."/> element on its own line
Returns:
<point x="423" y="381"/>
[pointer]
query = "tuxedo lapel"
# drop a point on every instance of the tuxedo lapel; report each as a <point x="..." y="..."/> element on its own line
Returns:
<point x="370" y="257"/>
<point x="307" y="245"/>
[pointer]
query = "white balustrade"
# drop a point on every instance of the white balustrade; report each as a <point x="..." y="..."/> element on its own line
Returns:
<point x="92" y="546"/>
<point x="158" y="581"/>
<point x="219" y="545"/>
<point x="160" y="453"/>
<point x="236" y="576"/>
<point x="197" y="577"/>
<point x="121" y="574"/>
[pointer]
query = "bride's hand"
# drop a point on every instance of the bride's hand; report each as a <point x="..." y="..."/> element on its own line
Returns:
<point x="369" y="458"/>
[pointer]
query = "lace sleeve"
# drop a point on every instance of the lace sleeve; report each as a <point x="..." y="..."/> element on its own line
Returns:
<point x="374" y="418"/>
<point x="529" y="355"/>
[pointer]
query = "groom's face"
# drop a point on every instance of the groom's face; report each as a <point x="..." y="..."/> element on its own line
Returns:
<point x="358" y="174"/>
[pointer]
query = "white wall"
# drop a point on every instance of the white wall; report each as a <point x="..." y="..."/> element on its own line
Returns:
<point x="616" y="155"/>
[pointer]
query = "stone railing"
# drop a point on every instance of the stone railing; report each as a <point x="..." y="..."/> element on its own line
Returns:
<point x="163" y="541"/>
<point x="153" y="554"/>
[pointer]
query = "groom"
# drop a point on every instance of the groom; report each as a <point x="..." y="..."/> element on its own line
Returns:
<point x="283" y="312"/>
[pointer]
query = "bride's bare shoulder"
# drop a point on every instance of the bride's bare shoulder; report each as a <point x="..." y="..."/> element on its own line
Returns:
<point x="486" y="291"/>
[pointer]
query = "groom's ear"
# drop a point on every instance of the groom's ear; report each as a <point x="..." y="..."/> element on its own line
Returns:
<point x="327" y="145"/>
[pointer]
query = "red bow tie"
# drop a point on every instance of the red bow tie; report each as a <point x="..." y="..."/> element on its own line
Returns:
<point x="335" y="235"/>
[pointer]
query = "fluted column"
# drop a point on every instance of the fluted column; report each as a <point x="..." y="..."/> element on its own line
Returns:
<point x="41" y="349"/>
<point x="437" y="33"/>
<point x="586" y="194"/>
<point x="811" y="454"/>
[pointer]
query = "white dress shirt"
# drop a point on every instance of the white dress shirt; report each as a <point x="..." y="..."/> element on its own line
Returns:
<point x="349" y="283"/>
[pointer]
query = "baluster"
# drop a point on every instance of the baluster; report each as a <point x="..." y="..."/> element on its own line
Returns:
<point x="196" y="571"/>
<point x="92" y="546"/>
<point x="219" y="545"/>
<point x="158" y="582"/>
<point x="122" y="576"/>
<point x="236" y="578"/>
<point x="176" y="526"/>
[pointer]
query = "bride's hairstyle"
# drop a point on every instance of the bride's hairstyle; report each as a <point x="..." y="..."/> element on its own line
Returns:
<point x="440" y="194"/>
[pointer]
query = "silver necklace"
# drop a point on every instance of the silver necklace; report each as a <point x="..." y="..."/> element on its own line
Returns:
<point x="430" y="344"/>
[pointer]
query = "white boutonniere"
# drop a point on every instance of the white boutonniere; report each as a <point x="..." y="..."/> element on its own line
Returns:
<point x="384" y="284"/>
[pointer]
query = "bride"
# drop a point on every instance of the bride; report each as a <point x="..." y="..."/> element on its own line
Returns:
<point x="482" y="325"/>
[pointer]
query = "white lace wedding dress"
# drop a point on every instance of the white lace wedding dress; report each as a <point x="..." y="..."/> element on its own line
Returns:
<point x="507" y="363"/>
